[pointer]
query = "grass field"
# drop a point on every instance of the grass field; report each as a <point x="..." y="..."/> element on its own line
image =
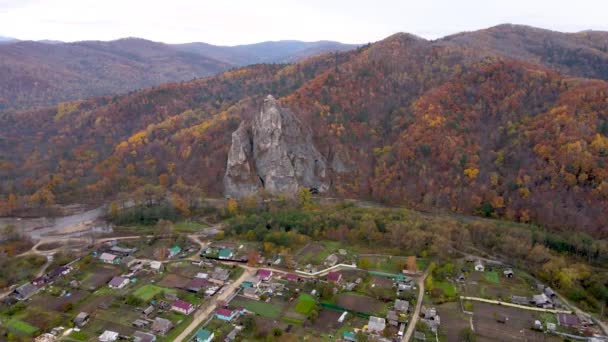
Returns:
<point x="148" y="291"/>
<point x="305" y="304"/>
<point x="189" y="226"/>
<point x="21" y="327"/>
<point x="260" y="308"/>
<point x="448" y="288"/>
<point x="492" y="277"/>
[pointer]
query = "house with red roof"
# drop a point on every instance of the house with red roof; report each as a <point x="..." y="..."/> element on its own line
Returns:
<point x="334" y="277"/>
<point x="182" y="307"/>
<point x="226" y="314"/>
<point x="264" y="275"/>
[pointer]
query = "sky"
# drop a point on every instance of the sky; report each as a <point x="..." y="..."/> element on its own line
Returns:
<point x="232" y="22"/>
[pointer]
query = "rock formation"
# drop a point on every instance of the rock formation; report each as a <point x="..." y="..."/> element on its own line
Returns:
<point x="274" y="152"/>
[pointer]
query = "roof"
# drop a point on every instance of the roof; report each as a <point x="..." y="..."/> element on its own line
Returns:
<point x="567" y="319"/>
<point x="26" y="290"/>
<point x="81" y="316"/>
<point x="140" y="336"/>
<point x="334" y="276"/>
<point x="161" y="324"/>
<point x="155" y="264"/>
<point x="540" y="298"/>
<point x="197" y="283"/>
<point x="402" y="305"/>
<point x="225" y="253"/>
<point x="117" y="281"/>
<point x="392" y="315"/>
<point x="264" y="273"/>
<point x="376" y="323"/>
<point x="180" y="304"/>
<point x="107" y="256"/>
<point x="175" y="249"/>
<point x="203" y="334"/>
<point x="108" y="336"/>
<point x="349" y="336"/>
<point x="292" y="277"/>
<point x="224" y="312"/>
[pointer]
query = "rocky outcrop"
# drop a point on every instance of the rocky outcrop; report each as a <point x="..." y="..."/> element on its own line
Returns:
<point x="274" y="152"/>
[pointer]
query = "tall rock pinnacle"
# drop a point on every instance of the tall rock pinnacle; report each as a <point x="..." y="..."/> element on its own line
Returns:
<point x="274" y="152"/>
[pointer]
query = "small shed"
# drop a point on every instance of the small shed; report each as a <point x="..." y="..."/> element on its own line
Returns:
<point x="479" y="267"/>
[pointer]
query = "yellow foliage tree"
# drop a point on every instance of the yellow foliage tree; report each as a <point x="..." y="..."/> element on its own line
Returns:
<point x="471" y="172"/>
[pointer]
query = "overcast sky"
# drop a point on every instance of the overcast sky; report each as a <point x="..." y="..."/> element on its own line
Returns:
<point x="230" y="22"/>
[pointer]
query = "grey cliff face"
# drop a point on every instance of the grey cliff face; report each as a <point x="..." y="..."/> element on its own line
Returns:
<point x="276" y="153"/>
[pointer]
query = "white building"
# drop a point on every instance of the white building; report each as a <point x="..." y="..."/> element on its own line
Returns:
<point x="479" y="266"/>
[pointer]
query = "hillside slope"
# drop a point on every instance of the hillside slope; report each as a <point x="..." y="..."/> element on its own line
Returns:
<point x="45" y="73"/>
<point x="403" y="121"/>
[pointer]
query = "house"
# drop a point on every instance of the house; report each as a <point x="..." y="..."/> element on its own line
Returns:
<point x="541" y="300"/>
<point x="161" y="326"/>
<point x="122" y="251"/>
<point x="174" y="251"/>
<point x="57" y="272"/>
<point x="549" y="292"/>
<point x="197" y="284"/>
<point x="349" y="336"/>
<point x="508" y="273"/>
<point x="232" y="335"/>
<point x="251" y="282"/>
<point x="392" y="317"/>
<point x="568" y="321"/>
<point x="220" y="275"/>
<point x="402" y="305"/>
<point x="479" y="266"/>
<point x="81" y="319"/>
<point x="251" y="292"/>
<point x="401" y="331"/>
<point x="140" y="336"/>
<point x="292" y="277"/>
<point x="108" y="336"/>
<point x="182" y="307"/>
<point x="225" y="254"/>
<point x="204" y="335"/>
<point x="431" y="318"/>
<point x="25" y="291"/>
<point x="334" y="277"/>
<point x="202" y="275"/>
<point x="156" y="266"/>
<point x="128" y="261"/>
<point x="331" y="260"/>
<point x="118" y="282"/>
<point x="109" y="258"/>
<point x="264" y="275"/>
<point x="45" y="337"/>
<point x="376" y="324"/>
<point x="226" y="314"/>
<point x="148" y="311"/>
<point x="140" y="323"/>
<point x="520" y="300"/>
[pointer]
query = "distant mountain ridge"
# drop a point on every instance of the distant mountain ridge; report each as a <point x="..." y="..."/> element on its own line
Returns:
<point x="48" y="72"/>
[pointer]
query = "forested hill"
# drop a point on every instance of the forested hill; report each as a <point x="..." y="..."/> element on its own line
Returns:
<point x="46" y="73"/>
<point x="427" y="124"/>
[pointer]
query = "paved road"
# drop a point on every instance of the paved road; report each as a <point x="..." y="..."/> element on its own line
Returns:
<point x="203" y="312"/>
<point x="416" y="314"/>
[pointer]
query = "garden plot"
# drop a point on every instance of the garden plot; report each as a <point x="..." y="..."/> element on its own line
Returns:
<point x="269" y="310"/>
<point x="99" y="276"/>
<point x="453" y="321"/>
<point x="493" y="285"/>
<point x="172" y="280"/>
<point x="361" y="303"/>
<point x="149" y="291"/>
<point x="517" y="326"/>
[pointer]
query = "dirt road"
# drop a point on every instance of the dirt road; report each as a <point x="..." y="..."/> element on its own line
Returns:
<point x="416" y="314"/>
<point x="203" y="312"/>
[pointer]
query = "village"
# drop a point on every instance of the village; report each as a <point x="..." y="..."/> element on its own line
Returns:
<point x="208" y="288"/>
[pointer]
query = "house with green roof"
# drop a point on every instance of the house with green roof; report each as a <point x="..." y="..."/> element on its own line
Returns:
<point x="349" y="336"/>
<point x="174" y="251"/>
<point x="225" y="253"/>
<point x="204" y="335"/>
